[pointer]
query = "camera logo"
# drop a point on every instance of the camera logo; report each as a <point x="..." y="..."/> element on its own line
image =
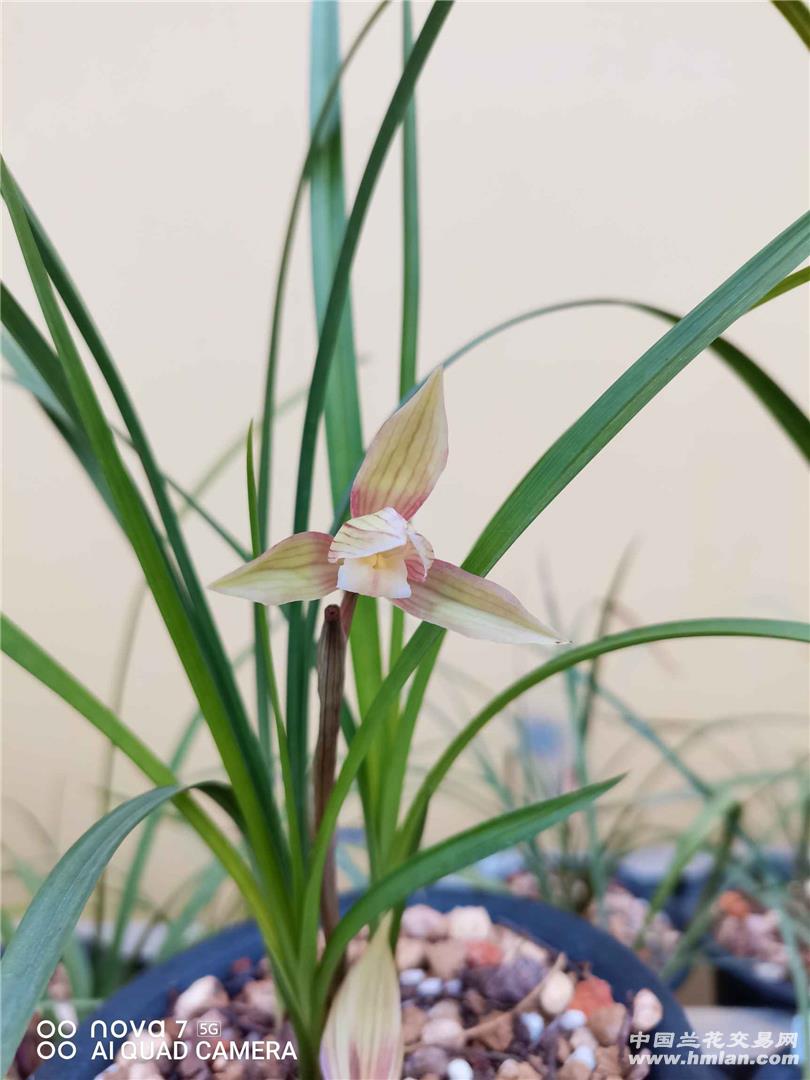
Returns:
<point x="63" y="1032"/>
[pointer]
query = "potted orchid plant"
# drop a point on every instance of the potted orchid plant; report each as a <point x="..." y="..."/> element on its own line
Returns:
<point x="272" y="820"/>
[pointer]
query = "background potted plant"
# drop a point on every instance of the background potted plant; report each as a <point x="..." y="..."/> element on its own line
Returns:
<point x="621" y="864"/>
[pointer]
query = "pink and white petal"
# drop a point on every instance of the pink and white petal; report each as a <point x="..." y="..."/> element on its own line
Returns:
<point x="362" y="1037"/>
<point x="407" y="455"/>
<point x="369" y="535"/>
<point x="471" y="605"/>
<point x="386" y="577"/>
<point x="297" y="568"/>
<point x="418" y="556"/>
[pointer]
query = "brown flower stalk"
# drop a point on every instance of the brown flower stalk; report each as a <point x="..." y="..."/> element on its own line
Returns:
<point x="331" y="674"/>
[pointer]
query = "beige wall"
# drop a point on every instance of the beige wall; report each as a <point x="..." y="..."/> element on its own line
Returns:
<point x="566" y="150"/>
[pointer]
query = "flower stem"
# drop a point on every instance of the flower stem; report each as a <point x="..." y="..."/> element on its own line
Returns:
<point x="331" y="677"/>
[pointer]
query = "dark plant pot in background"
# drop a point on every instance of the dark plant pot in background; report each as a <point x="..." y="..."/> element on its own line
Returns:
<point x="642" y="881"/>
<point x="778" y="1072"/>
<point x="145" y="998"/>
<point x="643" y="872"/>
<point x="737" y="984"/>
<point x="736" y="980"/>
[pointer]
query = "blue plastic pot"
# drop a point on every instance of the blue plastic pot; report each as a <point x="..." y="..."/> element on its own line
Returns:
<point x="145" y="998"/>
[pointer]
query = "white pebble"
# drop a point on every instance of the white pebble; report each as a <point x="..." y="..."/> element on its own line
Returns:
<point x="453" y="987"/>
<point x="429" y="987"/>
<point x="572" y="1019"/>
<point x="769" y="971"/>
<point x="533" y="1025"/>
<point x="459" y="1069"/>
<point x="202" y="995"/>
<point x="443" y="1032"/>
<point x="411" y="977"/>
<point x="421" y="921"/>
<point x="586" y="1055"/>
<point x="469" y="923"/>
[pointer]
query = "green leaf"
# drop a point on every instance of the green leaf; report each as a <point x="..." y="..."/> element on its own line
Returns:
<point x="27" y="377"/>
<point x="576" y="447"/>
<point x="40" y="938"/>
<point x="269" y="409"/>
<point x="720" y="807"/>
<point x="704" y="911"/>
<point x="340" y="283"/>
<point x="344" y="436"/>
<point x="390" y="793"/>
<point x="792" y="281"/>
<point x="37" y="368"/>
<point x="634" y="389"/>
<point x="74" y="953"/>
<point x="779" y="404"/>
<point x="643" y="635"/>
<point x="300" y="639"/>
<point x="208" y="885"/>
<point x="581" y="721"/>
<point x="410" y="227"/>
<point x="21" y="342"/>
<point x="445" y="858"/>
<point x="235" y="741"/>
<point x="298" y="664"/>
<point x="262" y="654"/>
<point x="199" y="614"/>
<point x="798" y="15"/>
<point x="112" y="964"/>
<point x="24" y="651"/>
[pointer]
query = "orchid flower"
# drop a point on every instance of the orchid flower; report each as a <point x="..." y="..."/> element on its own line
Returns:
<point x="362" y="1038"/>
<point x="379" y="553"/>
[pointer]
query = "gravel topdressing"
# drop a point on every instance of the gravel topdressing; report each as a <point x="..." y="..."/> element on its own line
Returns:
<point x="479" y="1000"/>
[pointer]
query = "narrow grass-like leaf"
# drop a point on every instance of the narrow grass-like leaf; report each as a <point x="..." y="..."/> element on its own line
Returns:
<point x="261" y="653"/>
<point x="340" y="283"/>
<point x="792" y="281"/>
<point x="74" y="952"/>
<point x="704" y="910"/>
<point x="410" y="227"/>
<point x="40" y="938"/>
<point x="445" y="858"/>
<point x="199" y="613"/>
<point x="269" y="409"/>
<point x="27" y="352"/>
<point x="22" y="343"/>
<point x="344" y="434"/>
<point x="589" y="434"/>
<point x="390" y="795"/>
<point x="300" y="639"/>
<point x="110" y="970"/>
<point x="691" y="840"/>
<point x="774" y="399"/>
<point x="581" y="727"/>
<point x="798" y="15"/>
<point x="229" y="726"/>
<point x="24" y="651"/>
<point x="644" y="635"/>
<point x="265" y="664"/>
<point x="208" y="885"/>
<point x="327" y="200"/>
<point x="330" y="327"/>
